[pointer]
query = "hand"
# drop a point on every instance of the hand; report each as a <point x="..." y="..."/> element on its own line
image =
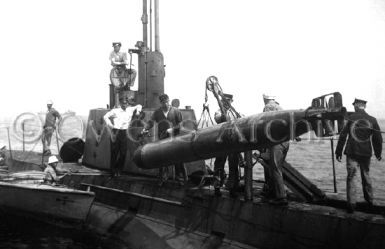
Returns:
<point x="144" y="132"/>
<point x="265" y="156"/>
<point x="139" y="108"/>
<point x="379" y="158"/>
<point x="338" y="157"/>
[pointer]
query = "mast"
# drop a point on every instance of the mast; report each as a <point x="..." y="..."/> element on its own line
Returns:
<point x="151" y="65"/>
<point x="157" y="47"/>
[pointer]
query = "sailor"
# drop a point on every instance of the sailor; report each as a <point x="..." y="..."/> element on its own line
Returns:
<point x="50" y="174"/>
<point x="118" y="58"/>
<point x="168" y="119"/>
<point x="270" y="103"/>
<point x="121" y="77"/>
<point x="274" y="188"/>
<point x="362" y="132"/>
<point x="233" y="158"/>
<point x="118" y="120"/>
<point x="49" y="127"/>
<point x="175" y="103"/>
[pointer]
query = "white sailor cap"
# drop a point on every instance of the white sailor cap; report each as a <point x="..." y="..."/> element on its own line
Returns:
<point x="268" y="97"/>
<point x="52" y="159"/>
<point x="49" y="102"/>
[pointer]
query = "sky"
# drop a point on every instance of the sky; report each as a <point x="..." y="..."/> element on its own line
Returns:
<point x="295" y="50"/>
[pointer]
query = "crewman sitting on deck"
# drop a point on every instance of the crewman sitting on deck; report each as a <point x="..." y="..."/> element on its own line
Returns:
<point x="117" y="58"/>
<point x="121" y="76"/>
<point x="50" y="171"/>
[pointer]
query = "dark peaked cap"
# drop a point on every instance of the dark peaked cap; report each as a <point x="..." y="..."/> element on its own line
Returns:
<point x="228" y="96"/>
<point x="359" y="101"/>
<point x="116" y="44"/>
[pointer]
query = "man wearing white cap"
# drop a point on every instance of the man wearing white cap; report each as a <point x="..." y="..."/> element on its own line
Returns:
<point x="270" y="103"/>
<point x="118" y="58"/>
<point x="363" y="136"/>
<point x="275" y="156"/>
<point x="122" y="78"/>
<point x="50" y="171"/>
<point x="49" y="127"/>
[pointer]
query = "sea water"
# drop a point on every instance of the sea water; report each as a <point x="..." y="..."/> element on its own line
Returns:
<point x="22" y="233"/>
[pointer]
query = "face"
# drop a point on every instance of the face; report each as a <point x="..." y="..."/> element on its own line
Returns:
<point x="54" y="165"/>
<point x="124" y="105"/>
<point x="49" y="106"/>
<point x="165" y="104"/>
<point x="116" y="49"/>
<point x="359" y="106"/>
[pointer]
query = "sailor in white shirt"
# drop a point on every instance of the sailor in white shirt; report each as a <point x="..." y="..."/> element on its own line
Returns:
<point x="119" y="120"/>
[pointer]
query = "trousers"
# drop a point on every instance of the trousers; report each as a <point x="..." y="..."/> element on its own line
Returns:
<point x="47" y="136"/>
<point x="353" y="165"/>
<point x="219" y="170"/>
<point x="118" y="151"/>
<point x="274" y="176"/>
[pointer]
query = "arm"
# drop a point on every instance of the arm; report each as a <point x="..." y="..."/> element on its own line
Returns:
<point x="150" y="123"/>
<point x="341" y="141"/>
<point x="178" y="119"/>
<point x="138" y="109"/>
<point x="377" y="140"/>
<point x="58" y="116"/>
<point x="107" y="117"/>
<point x="114" y="62"/>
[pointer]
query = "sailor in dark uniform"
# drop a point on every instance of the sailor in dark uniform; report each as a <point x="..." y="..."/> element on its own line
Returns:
<point x="233" y="158"/>
<point x="168" y="119"/>
<point x="362" y="132"/>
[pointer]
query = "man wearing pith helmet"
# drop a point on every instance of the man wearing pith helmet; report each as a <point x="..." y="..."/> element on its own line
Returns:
<point x="50" y="174"/>
<point x="362" y="133"/>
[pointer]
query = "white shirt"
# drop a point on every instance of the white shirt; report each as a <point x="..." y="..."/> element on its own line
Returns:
<point x="50" y="174"/>
<point x="122" y="118"/>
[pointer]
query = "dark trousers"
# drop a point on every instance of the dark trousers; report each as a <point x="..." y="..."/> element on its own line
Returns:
<point x="274" y="176"/>
<point x="180" y="173"/>
<point x="353" y="166"/>
<point x="219" y="170"/>
<point x="118" y="151"/>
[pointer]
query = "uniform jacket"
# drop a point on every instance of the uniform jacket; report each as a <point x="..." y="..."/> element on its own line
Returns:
<point x="362" y="132"/>
<point x="173" y="119"/>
